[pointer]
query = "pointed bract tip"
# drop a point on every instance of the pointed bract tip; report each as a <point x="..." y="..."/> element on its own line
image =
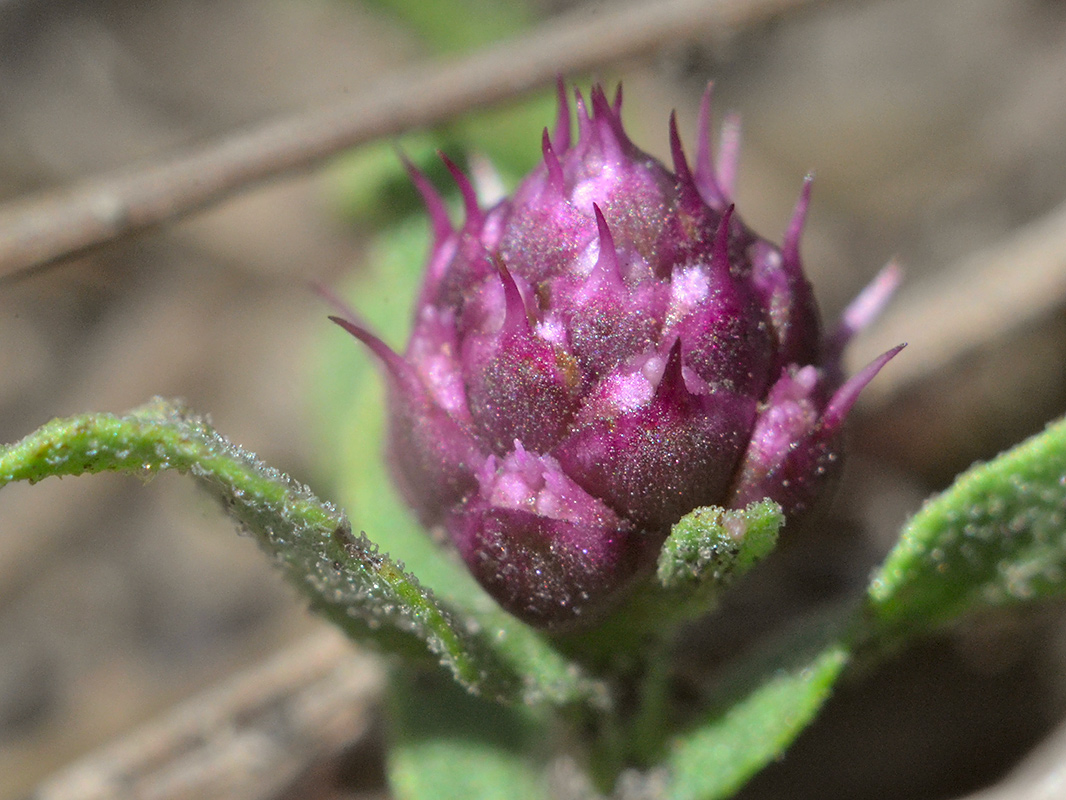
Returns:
<point x="690" y="194"/>
<point x="871" y="301"/>
<point x="672" y="382"/>
<point x="580" y="105"/>
<point x="488" y="184"/>
<point x="562" y="122"/>
<point x="865" y="308"/>
<point x="601" y="106"/>
<point x="390" y="359"/>
<point x="552" y="163"/>
<point x="325" y="293"/>
<point x="431" y="199"/>
<point x="790" y="247"/>
<point x="517" y="316"/>
<point x="716" y="176"/>
<point x="720" y="248"/>
<point x="677" y="151"/>
<point x="607" y="261"/>
<point x="466" y="188"/>
<point x="728" y="162"/>
<point x="705" y="177"/>
<point x="606" y="114"/>
<point x="584" y="119"/>
<point x="843" y="399"/>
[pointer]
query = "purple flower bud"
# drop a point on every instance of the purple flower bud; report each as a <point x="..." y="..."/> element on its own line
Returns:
<point x="601" y="353"/>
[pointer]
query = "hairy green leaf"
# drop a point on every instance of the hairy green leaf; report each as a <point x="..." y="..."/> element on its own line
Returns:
<point x="707" y="550"/>
<point x="445" y="744"/>
<point x="711" y="547"/>
<point x="997" y="537"/>
<point x="344" y="574"/>
<point x="760" y="714"/>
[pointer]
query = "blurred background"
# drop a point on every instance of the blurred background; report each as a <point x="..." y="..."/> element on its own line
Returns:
<point x="937" y="135"/>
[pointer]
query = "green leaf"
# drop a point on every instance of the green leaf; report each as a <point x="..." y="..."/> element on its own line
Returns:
<point x="711" y="547"/>
<point x="707" y="551"/>
<point x="997" y="537"/>
<point x="446" y="744"/>
<point x="347" y="578"/>
<point x="760" y="714"/>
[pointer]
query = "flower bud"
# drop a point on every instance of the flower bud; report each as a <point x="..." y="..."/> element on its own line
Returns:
<point x="599" y="354"/>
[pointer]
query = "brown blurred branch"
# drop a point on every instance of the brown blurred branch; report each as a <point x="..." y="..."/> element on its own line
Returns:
<point x="248" y="739"/>
<point x="980" y="299"/>
<point x="46" y="229"/>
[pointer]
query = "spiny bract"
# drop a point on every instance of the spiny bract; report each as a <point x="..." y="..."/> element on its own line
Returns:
<point x="602" y="352"/>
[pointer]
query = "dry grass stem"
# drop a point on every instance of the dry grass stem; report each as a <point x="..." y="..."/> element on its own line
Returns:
<point x="43" y="230"/>
<point x="244" y="740"/>
<point x="980" y="299"/>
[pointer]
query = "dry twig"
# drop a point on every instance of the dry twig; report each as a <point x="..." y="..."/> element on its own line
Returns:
<point x="980" y="299"/>
<point x="43" y="230"/>
<point x="245" y="740"/>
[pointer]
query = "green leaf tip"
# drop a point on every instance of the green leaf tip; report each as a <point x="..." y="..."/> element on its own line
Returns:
<point x="345" y="576"/>
<point x="715" y="759"/>
<point x="996" y="537"/>
<point x="712" y="545"/>
<point x="445" y="744"/>
<point x="707" y="550"/>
